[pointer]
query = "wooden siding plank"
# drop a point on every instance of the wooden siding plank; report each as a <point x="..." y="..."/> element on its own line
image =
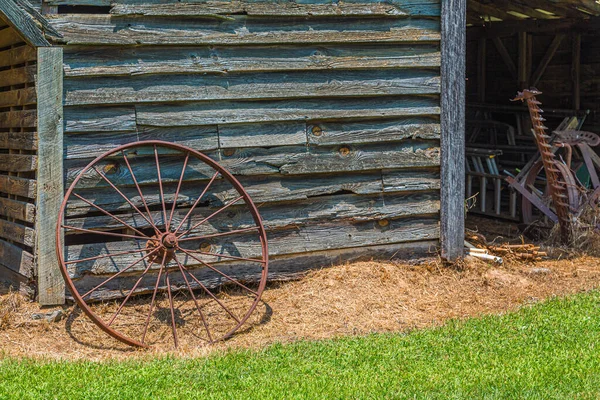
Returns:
<point x="330" y="133"/>
<point x="9" y="37"/>
<point x="18" y="162"/>
<point x="17" y="76"/>
<point x="280" y="267"/>
<point x="17" y="209"/>
<point x="19" y="55"/>
<point x="453" y="128"/>
<point x="92" y="144"/>
<point x="17" y="232"/>
<point x="17" y="259"/>
<point x="430" y="8"/>
<point x="110" y="61"/>
<point x="94" y="119"/>
<point x="402" y="181"/>
<point x="51" y="286"/>
<point x="18" y="119"/>
<point x="18" y="140"/>
<point x="23" y="22"/>
<point x="258" y="135"/>
<point x="341" y="234"/>
<point x="262" y="189"/>
<point x="273" y="111"/>
<point x="185" y="88"/>
<point x="79" y="29"/>
<point x="18" y="186"/>
<point x="283" y="216"/>
<point x="19" y="97"/>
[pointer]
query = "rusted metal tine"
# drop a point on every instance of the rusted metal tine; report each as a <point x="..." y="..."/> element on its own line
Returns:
<point x="185" y="162"/>
<point x="168" y="282"/>
<point x="211" y="215"/>
<point x="254" y="228"/>
<point x="108" y="213"/>
<point x="207" y="291"/>
<point x="120" y="272"/>
<point x="130" y="293"/>
<point x="108" y="233"/>
<point x="224" y="256"/>
<point x="204" y="322"/>
<point x="105" y="256"/>
<point x="139" y="190"/>
<point x="197" y="201"/>
<point x="126" y="199"/>
<point x="160" y="186"/>
<point x="162" y="265"/>
<point x="220" y="272"/>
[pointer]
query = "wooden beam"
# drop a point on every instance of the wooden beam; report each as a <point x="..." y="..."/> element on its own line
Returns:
<point x="23" y="23"/>
<point x="523" y="76"/>
<point x="481" y="69"/>
<point x="547" y="58"/>
<point x="452" y="213"/>
<point x="576" y="71"/>
<point x="51" y="286"/>
<point x="484" y="10"/>
<point x="510" y="64"/>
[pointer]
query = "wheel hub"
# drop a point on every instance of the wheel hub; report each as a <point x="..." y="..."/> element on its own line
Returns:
<point x="166" y="243"/>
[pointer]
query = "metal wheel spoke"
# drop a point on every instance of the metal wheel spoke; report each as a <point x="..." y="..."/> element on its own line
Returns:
<point x="120" y="272"/>
<point x="208" y="292"/>
<point x="126" y="199"/>
<point x="168" y="281"/>
<point x="197" y="201"/>
<point x="185" y="162"/>
<point x="123" y="235"/>
<point x="223" y="256"/>
<point x="204" y="322"/>
<point x="108" y="213"/>
<point x="162" y="265"/>
<point x="220" y="272"/>
<point x="160" y="186"/>
<point x="220" y="210"/>
<point x="130" y="293"/>
<point x="105" y="256"/>
<point x="254" y="228"/>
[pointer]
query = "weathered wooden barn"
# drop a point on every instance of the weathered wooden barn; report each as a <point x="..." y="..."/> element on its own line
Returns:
<point x="344" y="120"/>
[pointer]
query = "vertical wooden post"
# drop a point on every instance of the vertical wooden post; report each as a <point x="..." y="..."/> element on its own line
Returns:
<point x="576" y="71"/>
<point x="522" y="67"/>
<point x="51" y="285"/>
<point x="454" y="43"/>
<point x="481" y="69"/>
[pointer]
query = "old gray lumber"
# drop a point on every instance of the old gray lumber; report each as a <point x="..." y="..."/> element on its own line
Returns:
<point x="412" y="180"/>
<point x="18" y="162"/>
<point x="16" y="259"/>
<point x="17" y="232"/>
<point x="274" y="85"/>
<point x="329" y="133"/>
<point x="282" y="110"/>
<point x="429" y="8"/>
<point x="21" y="21"/>
<point x="18" y="97"/>
<point x="109" y="61"/>
<point x="280" y="216"/>
<point x="18" y="140"/>
<point x="18" y="186"/>
<point x="95" y="119"/>
<point x="17" y="210"/>
<point x="18" y="119"/>
<point x="51" y="286"/>
<point x="280" y="267"/>
<point x="92" y="144"/>
<point x="313" y="237"/>
<point x="258" y="135"/>
<point x="453" y="128"/>
<point x="79" y="29"/>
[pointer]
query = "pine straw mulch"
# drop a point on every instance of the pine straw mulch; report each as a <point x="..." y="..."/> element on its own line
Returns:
<point x="352" y="299"/>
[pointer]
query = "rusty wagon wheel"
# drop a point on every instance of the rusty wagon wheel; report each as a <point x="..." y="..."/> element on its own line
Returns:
<point x="533" y="182"/>
<point x="161" y="242"/>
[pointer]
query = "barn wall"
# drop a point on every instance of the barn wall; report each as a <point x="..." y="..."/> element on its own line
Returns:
<point x="18" y="161"/>
<point x="327" y="113"/>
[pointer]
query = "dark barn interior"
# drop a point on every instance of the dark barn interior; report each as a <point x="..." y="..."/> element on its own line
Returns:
<point x="553" y="46"/>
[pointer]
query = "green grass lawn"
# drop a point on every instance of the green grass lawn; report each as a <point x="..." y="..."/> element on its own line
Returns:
<point x="548" y="350"/>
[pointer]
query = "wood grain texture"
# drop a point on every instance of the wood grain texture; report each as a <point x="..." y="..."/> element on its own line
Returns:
<point x="17" y="232"/>
<point x="17" y="76"/>
<point x="18" y="97"/>
<point x="9" y="37"/>
<point x="51" y="286"/>
<point x="19" y="55"/>
<point x="18" y="119"/>
<point x="22" y="22"/>
<point x="18" y="162"/>
<point x="94" y="119"/>
<point x="81" y="29"/>
<point x="81" y="61"/>
<point x="16" y="259"/>
<point x="18" y="186"/>
<point x="17" y="210"/>
<point x="453" y="128"/>
<point x="18" y="140"/>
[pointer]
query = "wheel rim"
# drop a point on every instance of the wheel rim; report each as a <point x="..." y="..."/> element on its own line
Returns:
<point x="172" y="233"/>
